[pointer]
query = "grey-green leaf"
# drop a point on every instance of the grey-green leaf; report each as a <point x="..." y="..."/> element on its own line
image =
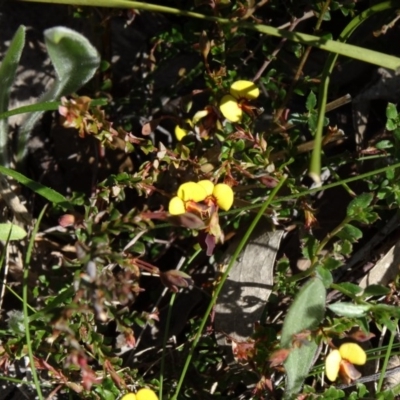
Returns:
<point x="350" y="310"/>
<point x="8" y="70"/>
<point x="11" y="232"/>
<point x="75" y="61"/>
<point x="306" y="312"/>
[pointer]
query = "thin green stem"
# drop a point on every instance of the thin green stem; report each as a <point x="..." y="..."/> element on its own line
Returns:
<point x="335" y="184"/>
<point x="46" y="106"/>
<point x="387" y="356"/>
<point x="221" y="283"/>
<point x="165" y="338"/>
<point x="15" y="380"/>
<point x="25" y="304"/>
<point x="315" y="162"/>
<point x="345" y="186"/>
<point x="19" y="297"/>
<point x="358" y="53"/>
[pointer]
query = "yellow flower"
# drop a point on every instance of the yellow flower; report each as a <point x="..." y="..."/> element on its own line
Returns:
<point x="231" y="104"/>
<point x="230" y="108"/>
<point x="129" y="396"/>
<point x="181" y="132"/>
<point x="220" y="194"/>
<point x="192" y="191"/>
<point x="142" y="394"/>
<point x="224" y="196"/>
<point x="176" y="206"/>
<point x="207" y="185"/>
<point x="146" y="394"/>
<point x="340" y="361"/>
<point x="187" y="191"/>
<point x="244" y="89"/>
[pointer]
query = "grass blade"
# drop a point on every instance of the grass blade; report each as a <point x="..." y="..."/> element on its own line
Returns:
<point x="28" y="257"/>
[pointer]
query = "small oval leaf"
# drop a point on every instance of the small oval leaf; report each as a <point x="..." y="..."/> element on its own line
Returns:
<point x="17" y="233"/>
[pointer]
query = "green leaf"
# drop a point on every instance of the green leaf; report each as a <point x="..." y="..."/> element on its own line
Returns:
<point x="325" y="275"/>
<point x="387" y="394"/>
<point x="386" y="320"/>
<point x="75" y="61"/>
<point x="375" y="290"/>
<point x="327" y="17"/>
<point x="384" y="144"/>
<point x="8" y="70"/>
<point x="17" y="233"/>
<point x="349" y="289"/>
<point x="363" y="323"/>
<point x="239" y="145"/>
<point x="312" y="122"/>
<point x="310" y="247"/>
<point x="391" y="111"/>
<point x="37" y="187"/>
<point x="360" y="209"/>
<point x="393" y="311"/>
<point x="391" y="125"/>
<point x="331" y="263"/>
<point x="359" y="204"/>
<point x="311" y="101"/>
<point x="16" y="322"/>
<point x="343" y="247"/>
<point x="350" y="310"/>
<point x="297" y="366"/>
<point x="305" y="313"/>
<point x="396" y="134"/>
<point x="350" y="233"/>
<point x="333" y="393"/>
<point x="46" y="106"/>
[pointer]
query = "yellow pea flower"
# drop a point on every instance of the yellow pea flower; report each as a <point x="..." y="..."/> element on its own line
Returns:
<point x="353" y="352"/>
<point x="146" y="394"/>
<point x="332" y="365"/>
<point x="196" y="207"/>
<point x="230" y="108"/>
<point x="244" y="89"/>
<point x="340" y="361"/>
<point x="191" y="191"/>
<point x="129" y="396"/>
<point x="186" y="192"/>
<point x="207" y="185"/>
<point x="224" y="196"/>
<point x="176" y="206"/>
<point x="181" y="132"/>
<point x="231" y="104"/>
